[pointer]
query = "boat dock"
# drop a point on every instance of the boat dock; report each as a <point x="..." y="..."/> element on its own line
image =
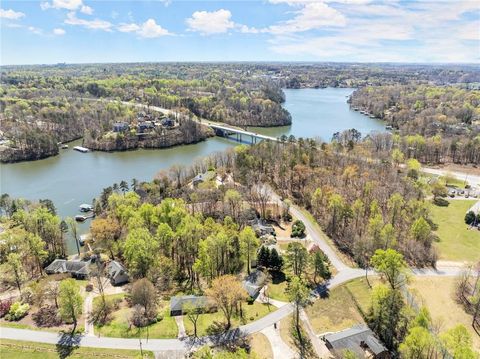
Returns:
<point x="81" y="149"/>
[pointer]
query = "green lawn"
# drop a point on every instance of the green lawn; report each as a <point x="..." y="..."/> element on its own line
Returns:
<point x="251" y="312"/>
<point x="276" y="288"/>
<point x="15" y="349"/>
<point x="119" y="327"/>
<point x="457" y="243"/>
<point x="338" y="311"/>
<point x="4" y="323"/>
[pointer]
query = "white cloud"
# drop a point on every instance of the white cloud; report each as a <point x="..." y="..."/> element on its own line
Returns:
<point x="72" y="5"/>
<point x="313" y="15"/>
<point x="86" y="10"/>
<point x="128" y="27"/>
<point x="149" y="29"/>
<point x="10" y="14"/>
<point x="96" y="24"/>
<point x="470" y="31"/>
<point x="59" y="31"/>
<point x="208" y="23"/>
<point x="35" y="30"/>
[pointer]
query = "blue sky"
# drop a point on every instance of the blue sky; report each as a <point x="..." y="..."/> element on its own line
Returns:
<point x="79" y="31"/>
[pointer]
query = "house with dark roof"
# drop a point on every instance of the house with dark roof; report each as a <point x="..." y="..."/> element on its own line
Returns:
<point x="120" y="127"/>
<point x="254" y="282"/>
<point x="116" y="272"/>
<point x="177" y="304"/>
<point x="358" y="339"/>
<point x="78" y="269"/>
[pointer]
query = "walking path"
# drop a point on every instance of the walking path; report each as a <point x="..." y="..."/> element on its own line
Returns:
<point x="181" y="327"/>
<point x="87" y="310"/>
<point x="280" y="349"/>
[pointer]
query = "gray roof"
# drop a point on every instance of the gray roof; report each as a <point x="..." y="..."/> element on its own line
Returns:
<point x="177" y="303"/>
<point x="254" y="282"/>
<point x="65" y="266"/>
<point x="115" y="268"/>
<point x="354" y="338"/>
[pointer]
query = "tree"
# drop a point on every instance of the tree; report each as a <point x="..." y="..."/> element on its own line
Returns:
<point x="263" y="257"/>
<point x="397" y="156"/>
<point x="15" y="266"/>
<point x="458" y="342"/>
<point x="228" y="293"/>
<point x="418" y="344"/>
<point x="70" y="301"/>
<point x="320" y="269"/>
<point x="234" y="200"/>
<point x="413" y="167"/>
<point x="105" y="232"/>
<point x="275" y="262"/>
<point x="298" y="229"/>
<point x="297" y="258"/>
<point x="144" y="295"/>
<point x="420" y="230"/>
<point x="391" y="265"/>
<point x="248" y="244"/>
<point x="139" y="251"/>
<point x="297" y="293"/>
<point x="123" y="186"/>
<point x="74" y="229"/>
<point x="193" y="314"/>
<point x="439" y="190"/>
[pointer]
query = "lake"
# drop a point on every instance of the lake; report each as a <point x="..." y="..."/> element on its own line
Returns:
<point x="72" y="178"/>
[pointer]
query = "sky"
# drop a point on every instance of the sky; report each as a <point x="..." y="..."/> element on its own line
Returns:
<point x="83" y="31"/>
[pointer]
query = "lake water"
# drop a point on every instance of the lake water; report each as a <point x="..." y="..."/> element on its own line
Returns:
<point x="72" y="178"/>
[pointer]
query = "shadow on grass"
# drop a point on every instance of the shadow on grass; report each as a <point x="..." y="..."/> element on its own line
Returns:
<point x="67" y="343"/>
<point x="277" y="277"/>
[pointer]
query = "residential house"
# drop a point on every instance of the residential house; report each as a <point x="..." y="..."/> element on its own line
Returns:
<point x="120" y="127"/>
<point x="254" y="282"/>
<point x="78" y="269"/>
<point x="261" y="228"/>
<point x="116" y="272"/>
<point x="358" y="339"/>
<point x="177" y="304"/>
<point x="203" y="177"/>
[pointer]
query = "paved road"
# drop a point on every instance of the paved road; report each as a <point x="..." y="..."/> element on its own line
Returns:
<point x="471" y="179"/>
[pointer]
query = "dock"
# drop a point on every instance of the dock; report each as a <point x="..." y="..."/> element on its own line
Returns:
<point x="81" y="149"/>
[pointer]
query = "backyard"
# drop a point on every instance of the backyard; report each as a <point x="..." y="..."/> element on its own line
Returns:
<point x="120" y="326"/>
<point x="208" y="321"/>
<point x="339" y="310"/>
<point x="457" y="242"/>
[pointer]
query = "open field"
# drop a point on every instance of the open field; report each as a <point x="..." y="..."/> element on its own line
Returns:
<point x="276" y="288"/>
<point x="251" y="312"/>
<point x="15" y="349"/>
<point x="339" y="310"/>
<point x="457" y="242"/>
<point x="261" y="346"/>
<point x="437" y="294"/>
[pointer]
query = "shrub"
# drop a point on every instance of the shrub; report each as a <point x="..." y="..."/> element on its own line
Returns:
<point x="470" y="217"/>
<point x="298" y="229"/>
<point x="47" y="317"/>
<point x="17" y="311"/>
<point x="442" y="202"/>
<point x="5" y="307"/>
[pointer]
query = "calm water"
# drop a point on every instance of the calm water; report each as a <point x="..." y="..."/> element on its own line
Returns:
<point x="73" y="178"/>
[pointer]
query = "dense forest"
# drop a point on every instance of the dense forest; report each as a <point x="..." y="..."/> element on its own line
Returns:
<point x="437" y="124"/>
<point x="41" y="106"/>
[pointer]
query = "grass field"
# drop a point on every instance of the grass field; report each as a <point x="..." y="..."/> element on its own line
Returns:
<point x="442" y="306"/>
<point x="251" y="312"/>
<point x="338" y="311"/>
<point x="119" y="327"/>
<point x="15" y="349"/>
<point x="261" y="346"/>
<point x="276" y="288"/>
<point x="457" y="243"/>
